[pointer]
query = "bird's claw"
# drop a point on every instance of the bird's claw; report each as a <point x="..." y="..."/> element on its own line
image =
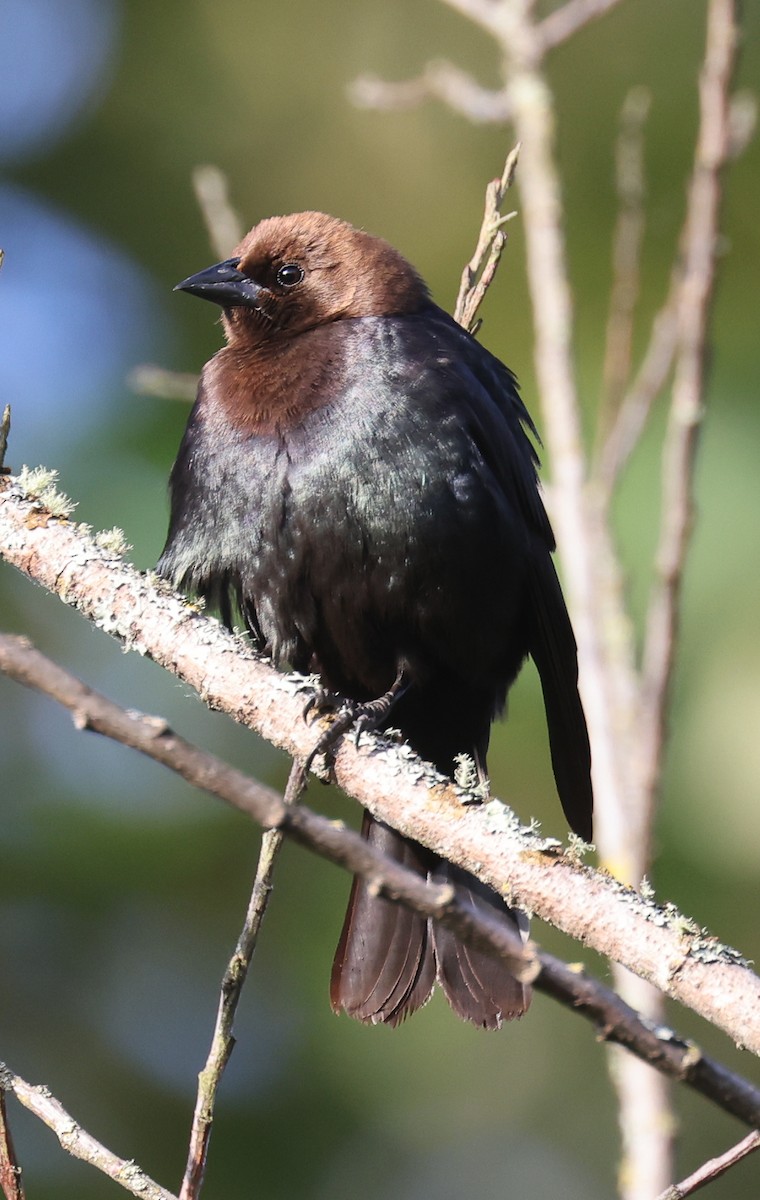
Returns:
<point x="347" y="714"/>
<point x="362" y="715"/>
<point x="322" y="702"/>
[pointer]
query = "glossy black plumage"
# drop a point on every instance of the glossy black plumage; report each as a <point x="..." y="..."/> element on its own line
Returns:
<point x="356" y="478"/>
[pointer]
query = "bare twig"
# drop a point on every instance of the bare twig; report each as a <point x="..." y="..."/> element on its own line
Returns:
<point x="645" y="1102"/>
<point x="564" y="22"/>
<point x="439" y="80"/>
<point x="478" y="275"/>
<point x="482" y="12"/>
<point x="699" y="255"/>
<point x="225" y="229"/>
<point x="645" y="1121"/>
<point x="10" y="1171"/>
<point x="496" y="18"/>
<point x="713" y="1169"/>
<point x="77" y="1142"/>
<point x="222" y="1041"/>
<point x="614" y="1020"/>
<point x="636" y="405"/>
<point x="150" y="380"/>
<point x="657" y="1046"/>
<point x="626" y="252"/>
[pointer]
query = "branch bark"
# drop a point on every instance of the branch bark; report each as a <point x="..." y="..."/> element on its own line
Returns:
<point x="389" y="780"/>
<point x="233" y="981"/>
<point x="614" y="1020"/>
<point x="77" y="1141"/>
<point x="713" y="1169"/>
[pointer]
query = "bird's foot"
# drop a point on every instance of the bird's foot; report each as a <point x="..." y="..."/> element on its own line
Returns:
<point x="357" y="715"/>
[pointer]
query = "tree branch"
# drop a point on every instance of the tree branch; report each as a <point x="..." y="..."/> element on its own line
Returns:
<point x="479" y="273"/>
<point x="440" y="80"/>
<point x="148" y="379"/>
<point x="614" y="1020"/>
<point x="567" y="20"/>
<point x="713" y="1169"/>
<point x="223" y="225"/>
<point x="222" y="1040"/>
<point x="389" y="780"/>
<point x="77" y="1142"/>
<point x="699" y="255"/>
<point x="626" y="252"/>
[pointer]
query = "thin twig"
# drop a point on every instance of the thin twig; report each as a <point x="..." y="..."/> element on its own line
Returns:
<point x="478" y="275"/>
<point x="225" y="229"/>
<point x="699" y="256"/>
<point x="713" y="1169"/>
<point x="626" y="252"/>
<point x="647" y="385"/>
<point x="150" y="380"/>
<point x="78" y="1142"/>
<point x="614" y="1020"/>
<point x="645" y="1102"/>
<point x="552" y="314"/>
<point x="10" y="1171"/>
<point x="564" y="22"/>
<point x="440" y="80"/>
<point x="618" y="1024"/>
<point x="223" y="1041"/>
<point x="483" y="12"/>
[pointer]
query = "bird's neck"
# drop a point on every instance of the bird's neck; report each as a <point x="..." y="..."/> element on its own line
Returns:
<point x="274" y="385"/>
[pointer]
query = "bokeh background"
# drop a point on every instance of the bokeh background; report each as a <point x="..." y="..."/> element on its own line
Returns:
<point x="121" y="891"/>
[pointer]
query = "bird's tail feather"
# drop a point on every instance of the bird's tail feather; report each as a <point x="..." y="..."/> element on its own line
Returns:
<point x="388" y="958"/>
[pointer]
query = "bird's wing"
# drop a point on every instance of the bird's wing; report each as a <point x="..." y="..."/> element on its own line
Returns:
<point x="498" y="424"/>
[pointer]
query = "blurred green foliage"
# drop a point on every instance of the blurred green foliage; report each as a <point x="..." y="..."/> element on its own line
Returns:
<point x="120" y="891"/>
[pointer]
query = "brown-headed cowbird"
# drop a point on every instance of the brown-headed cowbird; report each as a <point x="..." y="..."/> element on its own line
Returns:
<point x="357" y="481"/>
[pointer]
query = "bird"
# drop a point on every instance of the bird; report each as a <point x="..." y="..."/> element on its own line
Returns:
<point x="358" y="483"/>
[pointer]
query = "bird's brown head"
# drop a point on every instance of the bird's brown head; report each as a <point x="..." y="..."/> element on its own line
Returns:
<point x="292" y="273"/>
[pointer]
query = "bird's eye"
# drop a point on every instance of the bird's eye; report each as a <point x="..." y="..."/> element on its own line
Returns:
<point x="289" y="275"/>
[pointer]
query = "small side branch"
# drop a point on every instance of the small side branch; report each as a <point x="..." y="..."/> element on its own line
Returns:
<point x="566" y="21"/>
<point x="699" y="254"/>
<point x="713" y="1169"/>
<point x="224" y="227"/>
<point x="626" y="251"/>
<point x="440" y="80"/>
<point x="478" y="275"/>
<point x="77" y="1142"/>
<point x="222" y="1041"/>
<point x="151" y="380"/>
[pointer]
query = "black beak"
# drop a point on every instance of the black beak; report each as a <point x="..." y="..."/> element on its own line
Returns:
<point x="223" y="284"/>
